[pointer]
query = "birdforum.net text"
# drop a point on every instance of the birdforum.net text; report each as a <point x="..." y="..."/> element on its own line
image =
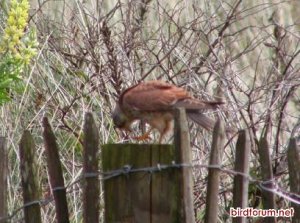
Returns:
<point x="251" y="212"/>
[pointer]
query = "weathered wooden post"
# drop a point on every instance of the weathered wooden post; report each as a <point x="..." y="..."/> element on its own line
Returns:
<point x="3" y="179"/>
<point x="211" y="212"/>
<point x="183" y="154"/>
<point x="30" y="182"/>
<point x="150" y="194"/>
<point x="241" y="182"/>
<point x="91" y="184"/>
<point x="294" y="173"/>
<point x="268" y="197"/>
<point x="55" y="173"/>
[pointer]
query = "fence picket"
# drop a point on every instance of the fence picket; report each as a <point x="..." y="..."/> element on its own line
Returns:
<point x="91" y="184"/>
<point x="211" y="211"/>
<point x="268" y="198"/>
<point x="55" y="174"/>
<point x="183" y="154"/>
<point x="30" y="185"/>
<point x="241" y="183"/>
<point x="3" y="179"/>
<point x="293" y="154"/>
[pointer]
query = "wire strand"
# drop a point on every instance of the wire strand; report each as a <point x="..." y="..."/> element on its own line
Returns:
<point x="126" y="170"/>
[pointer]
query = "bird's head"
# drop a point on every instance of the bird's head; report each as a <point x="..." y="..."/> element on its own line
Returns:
<point x="120" y="119"/>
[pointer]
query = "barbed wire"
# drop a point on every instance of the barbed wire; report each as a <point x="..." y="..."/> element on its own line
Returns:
<point x="126" y="170"/>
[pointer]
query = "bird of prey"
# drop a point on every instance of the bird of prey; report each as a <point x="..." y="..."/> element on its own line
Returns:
<point x="153" y="102"/>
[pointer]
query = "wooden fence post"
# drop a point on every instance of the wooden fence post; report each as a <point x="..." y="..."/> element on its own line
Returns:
<point x="293" y="154"/>
<point x="184" y="155"/>
<point x="55" y="174"/>
<point x="241" y="183"/>
<point x="141" y="197"/>
<point x="91" y="184"/>
<point x="3" y="179"/>
<point x="268" y="198"/>
<point x="30" y="182"/>
<point x="152" y="194"/>
<point x="211" y="212"/>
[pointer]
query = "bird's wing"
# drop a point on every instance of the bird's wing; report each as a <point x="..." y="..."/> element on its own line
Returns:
<point x="152" y="96"/>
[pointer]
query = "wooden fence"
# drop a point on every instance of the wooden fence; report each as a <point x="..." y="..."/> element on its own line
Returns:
<point x="144" y="183"/>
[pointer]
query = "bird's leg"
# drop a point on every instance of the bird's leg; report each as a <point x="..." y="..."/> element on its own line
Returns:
<point x="144" y="136"/>
<point x="160" y="138"/>
<point x="164" y="132"/>
<point x="162" y="135"/>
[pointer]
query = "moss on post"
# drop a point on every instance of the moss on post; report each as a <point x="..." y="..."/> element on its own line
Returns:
<point x="141" y="196"/>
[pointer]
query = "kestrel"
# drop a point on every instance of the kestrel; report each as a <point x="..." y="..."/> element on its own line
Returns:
<point x="153" y="101"/>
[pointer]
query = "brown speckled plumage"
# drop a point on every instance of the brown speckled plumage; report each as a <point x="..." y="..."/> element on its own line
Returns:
<point x="153" y="102"/>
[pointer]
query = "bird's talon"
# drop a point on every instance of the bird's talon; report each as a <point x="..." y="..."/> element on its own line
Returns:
<point x="142" y="137"/>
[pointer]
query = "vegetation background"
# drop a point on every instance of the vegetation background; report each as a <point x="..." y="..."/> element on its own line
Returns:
<point x="84" y="53"/>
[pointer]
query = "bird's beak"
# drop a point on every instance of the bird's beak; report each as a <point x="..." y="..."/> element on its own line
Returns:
<point x="127" y="129"/>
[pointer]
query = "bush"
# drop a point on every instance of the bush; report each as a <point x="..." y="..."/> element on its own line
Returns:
<point x="17" y="48"/>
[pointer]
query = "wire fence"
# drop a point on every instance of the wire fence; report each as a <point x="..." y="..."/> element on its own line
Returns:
<point x="137" y="161"/>
<point x="127" y="170"/>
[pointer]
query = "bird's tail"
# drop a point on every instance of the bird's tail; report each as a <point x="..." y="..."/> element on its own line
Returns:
<point x="193" y="104"/>
<point x="207" y="122"/>
<point x="202" y="120"/>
